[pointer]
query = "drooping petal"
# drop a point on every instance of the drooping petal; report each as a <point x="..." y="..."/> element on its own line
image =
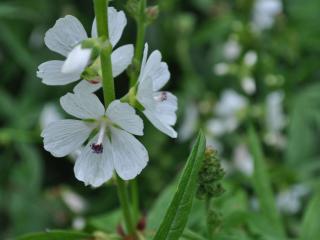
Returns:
<point x="129" y="155"/>
<point x="166" y="108"/>
<point x="159" y="124"/>
<point x="94" y="168"/>
<point x="125" y="117"/>
<point x="50" y="73"/>
<point x="82" y="105"/>
<point x="65" y="136"/>
<point x="116" y="22"/>
<point x="121" y="58"/>
<point x="85" y="86"/>
<point x="156" y="70"/>
<point x="65" y="35"/>
<point x="77" y="60"/>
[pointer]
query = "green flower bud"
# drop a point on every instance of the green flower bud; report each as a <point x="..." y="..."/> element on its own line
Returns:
<point x="210" y="175"/>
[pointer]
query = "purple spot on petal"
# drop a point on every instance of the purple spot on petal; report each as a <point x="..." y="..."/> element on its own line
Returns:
<point x="96" y="148"/>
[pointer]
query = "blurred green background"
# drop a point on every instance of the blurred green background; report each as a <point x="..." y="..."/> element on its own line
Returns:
<point x="232" y="62"/>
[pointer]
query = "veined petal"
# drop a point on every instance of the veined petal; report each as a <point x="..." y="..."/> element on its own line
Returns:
<point x="82" y="105"/>
<point x="50" y="73"/>
<point x="162" y="126"/>
<point x="145" y="93"/>
<point x="85" y="86"/>
<point x="166" y="109"/>
<point x="121" y="58"/>
<point x="156" y="70"/>
<point x="94" y="168"/>
<point x="116" y="22"/>
<point x="65" y="35"/>
<point x="77" y="60"/>
<point x="144" y="58"/>
<point x="65" y="136"/>
<point x="125" y="117"/>
<point x="129" y="155"/>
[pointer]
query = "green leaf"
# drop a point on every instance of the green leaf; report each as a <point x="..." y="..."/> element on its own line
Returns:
<point x="311" y="222"/>
<point x="56" y="235"/>
<point x="106" y="222"/>
<point x="177" y="214"/>
<point x="262" y="185"/>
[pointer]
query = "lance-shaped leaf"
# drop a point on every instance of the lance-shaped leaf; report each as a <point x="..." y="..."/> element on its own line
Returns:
<point x="176" y="217"/>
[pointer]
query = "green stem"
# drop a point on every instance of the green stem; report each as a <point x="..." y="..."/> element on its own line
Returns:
<point x="124" y="201"/>
<point x="100" y="7"/>
<point x="135" y="199"/>
<point x="141" y="28"/>
<point x="208" y="206"/>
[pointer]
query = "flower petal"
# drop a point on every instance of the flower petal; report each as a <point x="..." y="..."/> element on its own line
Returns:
<point x="157" y="122"/>
<point x="129" y="155"/>
<point x="85" y="86"/>
<point x="82" y="105"/>
<point x="50" y="73"/>
<point x="65" y="136"/>
<point x="125" y="117"/>
<point x="145" y="93"/>
<point x="94" y="168"/>
<point x="121" y="58"/>
<point x="77" y="60"/>
<point x="166" y="110"/>
<point x="65" y="35"/>
<point x="117" y="21"/>
<point x="156" y="70"/>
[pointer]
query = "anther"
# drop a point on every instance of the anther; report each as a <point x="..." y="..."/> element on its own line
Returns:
<point x="96" y="148"/>
<point x="163" y="96"/>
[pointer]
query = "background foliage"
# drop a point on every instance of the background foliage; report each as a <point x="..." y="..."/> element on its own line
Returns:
<point x="38" y="191"/>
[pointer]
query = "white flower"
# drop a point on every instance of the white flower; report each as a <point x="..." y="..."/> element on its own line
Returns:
<point x="243" y="160"/>
<point x="112" y="146"/>
<point x="250" y="58"/>
<point x="248" y="84"/>
<point x="231" y="49"/>
<point x="159" y="107"/>
<point x="230" y="104"/>
<point x="264" y="13"/>
<point x="65" y="38"/>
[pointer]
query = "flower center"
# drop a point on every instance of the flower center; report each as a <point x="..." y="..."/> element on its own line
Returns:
<point x="163" y="96"/>
<point x="98" y="146"/>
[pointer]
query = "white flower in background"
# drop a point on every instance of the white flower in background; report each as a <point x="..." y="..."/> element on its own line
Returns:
<point x="112" y="146"/>
<point x="230" y="104"/>
<point x="189" y="123"/>
<point x="248" y="85"/>
<point x="49" y="114"/>
<point x="73" y="201"/>
<point x="250" y="58"/>
<point x="221" y="69"/>
<point x="159" y="106"/>
<point x="264" y="12"/>
<point x="290" y="200"/>
<point x="231" y="49"/>
<point x="65" y="38"/>
<point x="227" y="112"/>
<point x="275" y="119"/>
<point x="243" y="160"/>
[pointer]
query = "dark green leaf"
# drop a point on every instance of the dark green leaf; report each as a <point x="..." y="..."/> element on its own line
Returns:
<point x="177" y="214"/>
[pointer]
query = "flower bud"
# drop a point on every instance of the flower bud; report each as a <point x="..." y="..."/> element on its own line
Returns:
<point x="77" y="60"/>
<point x="152" y="13"/>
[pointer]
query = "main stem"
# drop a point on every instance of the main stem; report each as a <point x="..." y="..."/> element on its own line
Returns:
<point x="141" y="28"/>
<point x="100" y="8"/>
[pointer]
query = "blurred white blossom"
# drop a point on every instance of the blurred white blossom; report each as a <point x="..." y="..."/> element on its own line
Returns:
<point x="264" y="12"/>
<point x="248" y="85"/>
<point x="231" y="49"/>
<point x="243" y="160"/>
<point x="189" y="122"/>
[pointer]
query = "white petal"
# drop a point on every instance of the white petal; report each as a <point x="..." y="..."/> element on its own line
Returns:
<point x="85" y="86"/>
<point x="156" y="70"/>
<point x="82" y="105"/>
<point x="121" y="58"/>
<point x="65" y="35"/>
<point x="125" y="117"/>
<point x="166" y="110"/>
<point x="94" y="168"/>
<point x="117" y="21"/>
<point x="145" y="93"/>
<point x="129" y="155"/>
<point x="77" y="60"/>
<point x="162" y="126"/>
<point x="65" y="136"/>
<point x="144" y="58"/>
<point x="50" y="73"/>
